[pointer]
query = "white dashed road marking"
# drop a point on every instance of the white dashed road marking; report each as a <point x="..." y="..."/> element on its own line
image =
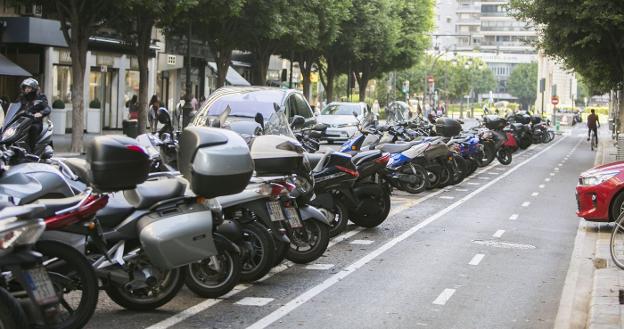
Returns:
<point x="547" y="179"/>
<point x="444" y="297"/>
<point x="514" y="217"/>
<point x="321" y="267"/>
<point x="542" y="186"/>
<point x="254" y="301"/>
<point x="535" y="194"/>
<point x="526" y="203"/>
<point x="501" y="244"/>
<point x="362" y="242"/>
<point x="446" y="197"/>
<point x="498" y="233"/>
<point x="476" y="259"/>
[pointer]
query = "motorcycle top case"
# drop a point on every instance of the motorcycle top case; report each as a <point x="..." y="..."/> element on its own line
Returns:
<point x="215" y="161"/>
<point x="524" y="119"/>
<point x="448" y="127"/>
<point x="536" y="119"/>
<point x="116" y="163"/>
<point x="494" y="122"/>
<point x="278" y="155"/>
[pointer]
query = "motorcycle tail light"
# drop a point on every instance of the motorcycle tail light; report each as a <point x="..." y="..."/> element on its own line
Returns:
<point x="351" y="172"/>
<point x="289" y="186"/>
<point x="89" y="207"/>
<point x="385" y="158"/>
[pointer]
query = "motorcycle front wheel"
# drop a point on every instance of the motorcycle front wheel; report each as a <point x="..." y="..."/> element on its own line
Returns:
<point x="419" y="173"/>
<point x="338" y="218"/>
<point x="504" y="156"/>
<point x="147" y="299"/>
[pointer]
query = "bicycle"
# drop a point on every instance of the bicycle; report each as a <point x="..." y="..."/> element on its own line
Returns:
<point x="594" y="139"/>
<point x="617" y="241"/>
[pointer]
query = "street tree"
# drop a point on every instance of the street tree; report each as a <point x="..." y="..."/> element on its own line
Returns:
<point x="135" y="19"/>
<point x="523" y="83"/>
<point x="588" y="35"/>
<point x="79" y="20"/>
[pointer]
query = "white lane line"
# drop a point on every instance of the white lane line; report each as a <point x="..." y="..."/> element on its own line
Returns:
<point x="476" y="259"/>
<point x="461" y="190"/>
<point x="446" y="197"/>
<point x="526" y="203"/>
<point x="552" y="174"/>
<point x="535" y="194"/>
<point x="542" y="186"/>
<point x="498" y="233"/>
<point x="547" y="179"/>
<point x="473" y="183"/>
<point x="502" y="244"/>
<point x="344" y="236"/>
<point x="561" y="165"/>
<point x="514" y="217"/>
<point x="493" y="173"/>
<point x="444" y="297"/>
<point x="319" y="267"/>
<point x="335" y="278"/>
<point x="362" y="242"/>
<point x="556" y="168"/>
<point x="484" y="178"/>
<point x="254" y="301"/>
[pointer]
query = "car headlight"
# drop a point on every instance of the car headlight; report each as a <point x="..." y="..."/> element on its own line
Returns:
<point x="14" y="232"/>
<point x="597" y="178"/>
<point x="8" y="133"/>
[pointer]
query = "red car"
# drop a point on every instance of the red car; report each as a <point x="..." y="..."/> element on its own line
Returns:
<point x="598" y="193"/>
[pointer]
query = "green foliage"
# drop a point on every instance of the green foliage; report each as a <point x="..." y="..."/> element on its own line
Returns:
<point x="523" y="83"/>
<point x="58" y="104"/>
<point x="587" y="34"/>
<point x="95" y="104"/>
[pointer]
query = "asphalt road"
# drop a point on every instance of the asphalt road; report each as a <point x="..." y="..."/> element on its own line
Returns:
<point x="491" y="252"/>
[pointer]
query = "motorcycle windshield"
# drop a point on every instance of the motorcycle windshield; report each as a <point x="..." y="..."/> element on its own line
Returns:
<point x="397" y="113"/>
<point x="278" y="125"/>
<point x="14" y="108"/>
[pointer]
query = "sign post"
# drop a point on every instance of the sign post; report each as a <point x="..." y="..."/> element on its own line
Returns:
<point x="555" y="101"/>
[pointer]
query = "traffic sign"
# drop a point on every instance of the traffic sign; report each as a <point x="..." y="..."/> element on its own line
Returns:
<point x="554" y="100"/>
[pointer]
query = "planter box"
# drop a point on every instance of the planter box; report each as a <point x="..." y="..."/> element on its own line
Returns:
<point x="59" y="119"/>
<point x="94" y="121"/>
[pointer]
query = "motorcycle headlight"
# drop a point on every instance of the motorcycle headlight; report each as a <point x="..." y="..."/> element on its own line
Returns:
<point x="596" y="179"/>
<point x="14" y="232"/>
<point x="8" y="133"/>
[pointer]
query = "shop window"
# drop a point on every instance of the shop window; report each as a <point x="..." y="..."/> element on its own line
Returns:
<point x="62" y="83"/>
<point x="132" y="85"/>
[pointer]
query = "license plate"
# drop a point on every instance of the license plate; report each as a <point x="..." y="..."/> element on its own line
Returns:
<point x="293" y="217"/>
<point x="275" y="211"/>
<point x="40" y="286"/>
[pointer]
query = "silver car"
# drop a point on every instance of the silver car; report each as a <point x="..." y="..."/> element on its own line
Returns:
<point x="342" y="120"/>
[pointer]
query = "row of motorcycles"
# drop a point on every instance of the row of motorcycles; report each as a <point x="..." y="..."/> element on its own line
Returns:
<point x="138" y="219"/>
<point x="204" y="208"/>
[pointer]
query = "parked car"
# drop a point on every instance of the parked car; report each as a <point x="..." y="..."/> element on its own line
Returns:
<point x="600" y="192"/>
<point x="247" y="102"/>
<point x="342" y="119"/>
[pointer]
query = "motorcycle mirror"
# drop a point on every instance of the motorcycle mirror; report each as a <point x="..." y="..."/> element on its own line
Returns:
<point x="297" y="121"/>
<point x="355" y="114"/>
<point x="259" y="118"/>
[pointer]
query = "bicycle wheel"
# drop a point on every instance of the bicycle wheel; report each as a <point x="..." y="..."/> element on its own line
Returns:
<point x="617" y="242"/>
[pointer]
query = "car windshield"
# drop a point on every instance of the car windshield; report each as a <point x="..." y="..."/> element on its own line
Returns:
<point x="243" y="103"/>
<point x="342" y="109"/>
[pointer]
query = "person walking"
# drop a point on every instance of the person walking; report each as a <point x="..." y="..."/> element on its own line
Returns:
<point x="154" y="105"/>
<point x="133" y="108"/>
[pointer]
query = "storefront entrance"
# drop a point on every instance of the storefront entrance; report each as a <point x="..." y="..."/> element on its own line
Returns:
<point x="103" y="90"/>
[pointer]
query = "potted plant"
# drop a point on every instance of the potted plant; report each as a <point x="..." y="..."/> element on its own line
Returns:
<point x="93" y="117"/>
<point x="58" y="116"/>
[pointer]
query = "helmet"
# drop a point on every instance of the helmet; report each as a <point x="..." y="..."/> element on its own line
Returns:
<point x="32" y="83"/>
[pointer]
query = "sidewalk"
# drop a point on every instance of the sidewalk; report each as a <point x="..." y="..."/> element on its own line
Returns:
<point x="62" y="143"/>
<point x="591" y="294"/>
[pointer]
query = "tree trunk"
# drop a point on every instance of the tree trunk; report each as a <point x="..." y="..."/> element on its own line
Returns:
<point x="223" y="64"/>
<point x="145" y="25"/>
<point x="262" y="67"/>
<point x="620" y="107"/>
<point x="363" y="84"/>
<point x="78" y="53"/>
<point x="330" y="76"/>
<point x="305" y="66"/>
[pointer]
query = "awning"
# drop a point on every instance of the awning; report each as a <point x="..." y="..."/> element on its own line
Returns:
<point x="232" y="77"/>
<point x="9" y="68"/>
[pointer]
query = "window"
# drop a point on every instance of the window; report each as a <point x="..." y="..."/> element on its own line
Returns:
<point x="62" y="83"/>
<point x="132" y="85"/>
<point x="299" y="106"/>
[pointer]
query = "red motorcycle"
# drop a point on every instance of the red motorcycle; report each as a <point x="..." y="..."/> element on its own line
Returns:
<point x="510" y="146"/>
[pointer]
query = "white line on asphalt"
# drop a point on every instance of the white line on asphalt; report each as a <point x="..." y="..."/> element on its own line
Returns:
<point x="556" y="168"/>
<point x="498" y="233"/>
<point x="526" y="203"/>
<point x="362" y="242"/>
<point x="461" y="190"/>
<point x="552" y="174"/>
<point x="561" y="165"/>
<point x="542" y="186"/>
<point x="446" y="197"/>
<point x="505" y="245"/>
<point x="476" y="259"/>
<point x="514" y="217"/>
<point x="332" y="280"/>
<point x="344" y="236"/>
<point x="492" y="173"/>
<point x="547" y="179"/>
<point x="535" y="194"/>
<point x="484" y="178"/>
<point x="444" y="297"/>
<point x="320" y="267"/>
<point x="472" y="183"/>
<point x="254" y="301"/>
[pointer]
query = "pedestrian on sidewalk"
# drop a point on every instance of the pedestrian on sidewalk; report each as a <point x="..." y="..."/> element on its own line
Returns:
<point x="154" y="105"/>
<point x="592" y="124"/>
<point x="133" y="108"/>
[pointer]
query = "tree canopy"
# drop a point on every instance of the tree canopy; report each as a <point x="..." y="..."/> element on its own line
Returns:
<point x="523" y="83"/>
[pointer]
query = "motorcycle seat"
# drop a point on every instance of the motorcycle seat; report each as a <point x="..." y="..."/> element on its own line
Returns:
<point x="116" y="211"/>
<point x="364" y="156"/>
<point x="151" y="192"/>
<point x="80" y="168"/>
<point x="54" y="205"/>
<point x="314" y="159"/>
<point x="395" y="148"/>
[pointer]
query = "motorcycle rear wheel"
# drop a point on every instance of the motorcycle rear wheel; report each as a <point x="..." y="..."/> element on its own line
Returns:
<point x="489" y="154"/>
<point x="420" y="173"/>
<point x="338" y="218"/>
<point x="11" y="313"/>
<point x="504" y="156"/>
<point x="208" y="279"/>
<point x="317" y="238"/>
<point x="373" y="211"/>
<point x="139" y="301"/>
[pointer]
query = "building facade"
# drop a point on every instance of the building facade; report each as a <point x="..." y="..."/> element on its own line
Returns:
<point x="557" y="82"/>
<point x="486" y="30"/>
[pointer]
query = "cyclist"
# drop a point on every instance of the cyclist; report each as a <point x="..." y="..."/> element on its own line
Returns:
<point x="592" y="125"/>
